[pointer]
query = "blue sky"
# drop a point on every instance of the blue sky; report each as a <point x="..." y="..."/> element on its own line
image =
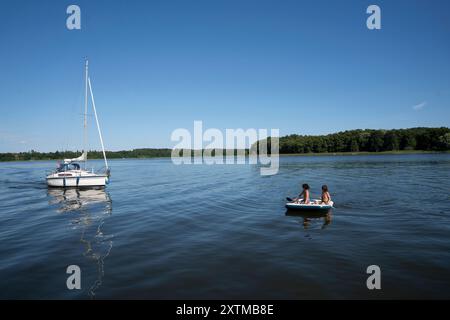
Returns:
<point x="307" y="67"/>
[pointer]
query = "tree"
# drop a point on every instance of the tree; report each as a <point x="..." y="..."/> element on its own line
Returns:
<point x="354" y="145"/>
<point x="376" y="141"/>
<point x="391" y="141"/>
<point x="444" y="141"/>
<point x="409" y="143"/>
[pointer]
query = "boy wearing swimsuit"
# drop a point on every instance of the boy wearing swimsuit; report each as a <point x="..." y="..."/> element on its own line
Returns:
<point x="304" y="195"/>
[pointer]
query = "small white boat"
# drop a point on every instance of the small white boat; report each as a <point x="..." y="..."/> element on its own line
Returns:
<point x="69" y="173"/>
<point x="313" y="205"/>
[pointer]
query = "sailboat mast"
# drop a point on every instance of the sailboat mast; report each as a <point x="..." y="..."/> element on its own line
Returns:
<point x="85" y="114"/>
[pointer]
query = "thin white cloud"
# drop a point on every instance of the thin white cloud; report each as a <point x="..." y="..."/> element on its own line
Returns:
<point x="419" y="106"/>
<point x="13" y="138"/>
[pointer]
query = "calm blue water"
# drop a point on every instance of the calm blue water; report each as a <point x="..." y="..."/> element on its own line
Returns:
<point x="221" y="231"/>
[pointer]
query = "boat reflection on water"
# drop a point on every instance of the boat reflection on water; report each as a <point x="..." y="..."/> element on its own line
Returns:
<point x="88" y="209"/>
<point x="310" y="216"/>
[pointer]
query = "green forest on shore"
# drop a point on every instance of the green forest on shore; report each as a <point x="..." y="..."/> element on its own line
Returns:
<point x="351" y="141"/>
<point x="423" y="139"/>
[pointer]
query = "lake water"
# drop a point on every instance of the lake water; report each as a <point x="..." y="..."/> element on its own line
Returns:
<point x="198" y="231"/>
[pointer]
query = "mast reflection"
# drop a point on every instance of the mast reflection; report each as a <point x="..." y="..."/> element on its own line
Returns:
<point x="88" y="209"/>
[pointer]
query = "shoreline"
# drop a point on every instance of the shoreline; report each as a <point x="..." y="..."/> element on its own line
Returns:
<point x="363" y="153"/>
<point x="312" y="154"/>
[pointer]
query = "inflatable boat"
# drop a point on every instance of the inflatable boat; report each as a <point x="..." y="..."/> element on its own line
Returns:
<point x="314" y="205"/>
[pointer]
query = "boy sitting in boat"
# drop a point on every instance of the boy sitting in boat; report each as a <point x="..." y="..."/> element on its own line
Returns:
<point x="304" y="196"/>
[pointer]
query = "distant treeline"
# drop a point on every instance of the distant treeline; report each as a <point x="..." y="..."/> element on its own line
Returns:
<point x="135" y="153"/>
<point x="59" y="155"/>
<point x="424" y="139"/>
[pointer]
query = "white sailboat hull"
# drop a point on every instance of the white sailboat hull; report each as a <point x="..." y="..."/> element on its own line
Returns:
<point x="76" y="180"/>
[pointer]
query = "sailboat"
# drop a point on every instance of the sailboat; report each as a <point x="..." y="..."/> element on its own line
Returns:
<point x="69" y="172"/>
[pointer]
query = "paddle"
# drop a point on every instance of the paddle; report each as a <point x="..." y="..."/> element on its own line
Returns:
<point x="291" y="200"/>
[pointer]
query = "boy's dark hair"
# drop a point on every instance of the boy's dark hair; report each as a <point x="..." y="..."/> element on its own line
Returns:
<point x="325" y="188"/>
<point x="305" y="186"/>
